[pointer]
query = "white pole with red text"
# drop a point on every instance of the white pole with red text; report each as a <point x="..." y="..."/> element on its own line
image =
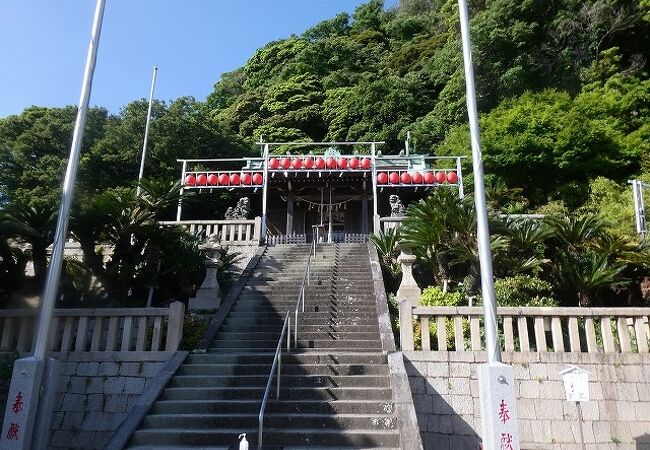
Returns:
<point x="28" y="382"/>
<point x="496" y="380"/>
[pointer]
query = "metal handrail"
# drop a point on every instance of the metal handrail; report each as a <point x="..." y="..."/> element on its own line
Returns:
<point x="286" y="329"/>
<point x="277" y="361"/>
<point x="301" y="294"/>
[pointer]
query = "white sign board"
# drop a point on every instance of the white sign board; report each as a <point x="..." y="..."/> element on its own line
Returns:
<point x="576" y="384"/>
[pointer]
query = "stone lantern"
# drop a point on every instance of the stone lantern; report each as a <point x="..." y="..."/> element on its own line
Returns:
<point x="408" y="288"/>
<point x="209" y="294"/>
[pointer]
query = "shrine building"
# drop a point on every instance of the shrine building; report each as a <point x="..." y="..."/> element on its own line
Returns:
<point x="323" y="190"/>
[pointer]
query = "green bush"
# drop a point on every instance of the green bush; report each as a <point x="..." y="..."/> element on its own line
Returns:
<point x="194" y="327"/>
<point x="523" y="290"/>
<point x="434" y="296"/>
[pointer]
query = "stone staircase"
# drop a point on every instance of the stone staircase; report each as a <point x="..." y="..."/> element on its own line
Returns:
<point x="335" y="391"/>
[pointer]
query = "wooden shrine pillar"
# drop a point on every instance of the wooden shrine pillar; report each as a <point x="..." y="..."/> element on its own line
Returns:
<point x="290" y="203"/>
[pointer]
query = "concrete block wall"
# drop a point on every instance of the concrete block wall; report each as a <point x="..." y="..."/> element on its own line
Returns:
<point x="445" y="392"/>
<point x="95" y="391"/>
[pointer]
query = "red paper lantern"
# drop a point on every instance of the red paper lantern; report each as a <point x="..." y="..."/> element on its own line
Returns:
<point x="342" y="163"/>
<point x="201" y="180"/>
<point x="296" y="163"/>
<point x="331" y="163"/>
<point x="429" y="178"/>
<point x="405" y="177"/>
<point x="246" y="178"/>
<point x="309" y="163"/>
<point x="440" y="177"/>
<point x="212" y="179"/>
<point x="224" y="180"/>
<point x="417" y="178"/>
<point x="393" y="178"/>
<point x="285" y="163"/>
<point x="320" y="163"/>
<point x="366" y="163"/>
<point x="452" y="177"/>
<point x="235" y="179"/>
<point x="382" y="178"/>
<point x="274" y="163"/>
<point x="354" y="163"/>
<point x="190" y="180"/>
<point x="258" y="178"/>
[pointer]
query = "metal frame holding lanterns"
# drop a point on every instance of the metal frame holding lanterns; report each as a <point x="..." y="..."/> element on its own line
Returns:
<point x="385" y="171"/>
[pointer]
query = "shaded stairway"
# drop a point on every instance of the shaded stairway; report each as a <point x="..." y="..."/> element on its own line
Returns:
<point x="335" y="386"/>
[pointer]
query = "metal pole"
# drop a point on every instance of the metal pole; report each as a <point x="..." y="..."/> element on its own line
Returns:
<point x="54" y="271"/>
<point x="265" y="189"/>
<point x="373" y="150"/>
<point x="146" y="129"/>
<point x="330" y="228"/>
<point x="483" y="231"/>
<point x="459" y="172"/>
<point x="179" y="211"/>
<point x="408" y="142"/>
<point x="582" y="435"/>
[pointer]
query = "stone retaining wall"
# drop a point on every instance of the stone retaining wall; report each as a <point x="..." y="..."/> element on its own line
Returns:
<point x="95" y="392"/>
<point x="445" y="392"/>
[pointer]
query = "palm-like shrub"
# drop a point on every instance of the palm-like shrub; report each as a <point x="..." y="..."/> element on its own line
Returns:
<point x="586" y="274"/>
<point x="34" y="225"/>
<point x="387" y="244"/>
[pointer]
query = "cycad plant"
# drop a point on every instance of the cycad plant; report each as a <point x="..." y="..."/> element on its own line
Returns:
<point x="34" y="225"/>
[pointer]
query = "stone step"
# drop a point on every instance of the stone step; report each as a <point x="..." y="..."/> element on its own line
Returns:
<point x="301" y="348"/>
<point x="278" y="407"/>
<point x="275" y="320"/>
<point x="309" y="308"/>
<point x="287" y="381"/>
<point x="193" y="421"/>
<point x="287" y="369"/>
<point x="295" y="357"/>
<point x="302" y="343"/>
<point x="319" y="315"/>
<point x="245" y="328"/>
<point x="292" y="393"/>
<point x="329" y="438"/>
<point x="274" y="336"/>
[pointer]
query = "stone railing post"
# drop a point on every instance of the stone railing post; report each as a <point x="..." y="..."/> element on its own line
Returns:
<point x="406" y="326"/>
<point x="257" y="231"/>
<point x="408" y="288"/>
<point x="175" y="326"/>
<point x="376" y="222"/>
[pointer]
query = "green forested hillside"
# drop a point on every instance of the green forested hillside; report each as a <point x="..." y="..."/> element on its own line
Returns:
<point x="562" y="87"/>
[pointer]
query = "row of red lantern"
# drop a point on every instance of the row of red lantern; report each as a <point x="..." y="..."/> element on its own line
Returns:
<point x="320" y="163"/>
<point x="224" y="179"/>
<point x="417" y="178"/>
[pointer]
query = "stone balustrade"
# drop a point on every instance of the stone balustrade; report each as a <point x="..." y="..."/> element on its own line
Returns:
<point x="527" y="329"/>
<point x="106" y="329"/>
<point x="229" y="232"/>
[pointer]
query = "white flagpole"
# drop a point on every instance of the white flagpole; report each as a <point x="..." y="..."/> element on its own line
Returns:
<point x="33" y="379"/>
<point x="496" y="380"/>
<point x="146" y="129"/>
<point x="54" y="271"/>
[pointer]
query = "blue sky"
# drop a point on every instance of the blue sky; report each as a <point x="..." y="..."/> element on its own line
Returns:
<point x="43" y="45"/>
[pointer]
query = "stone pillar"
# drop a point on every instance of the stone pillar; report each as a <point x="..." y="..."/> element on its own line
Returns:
<point x="408" y="289"/>
<point x="209" y="294"/>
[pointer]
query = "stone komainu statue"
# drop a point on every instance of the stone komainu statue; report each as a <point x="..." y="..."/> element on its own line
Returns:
<point x="241" y="211"/>
<point x="397" y="209"/>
